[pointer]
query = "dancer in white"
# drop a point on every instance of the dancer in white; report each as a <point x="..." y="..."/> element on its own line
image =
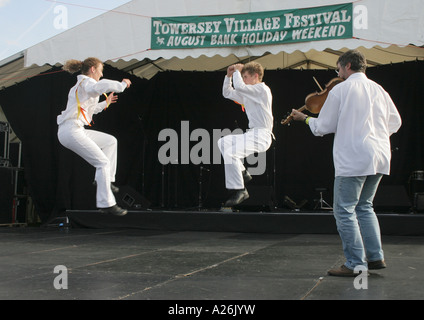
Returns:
<point x="97" y="148"/>
<point x="256" y="98"/>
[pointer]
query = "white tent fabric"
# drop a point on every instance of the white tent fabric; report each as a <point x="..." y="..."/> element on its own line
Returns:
<point x="121" y="37"/>
<point x="123" y="34"/>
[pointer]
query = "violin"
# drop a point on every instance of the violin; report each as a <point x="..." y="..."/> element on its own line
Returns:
<point x="314" y="101"/>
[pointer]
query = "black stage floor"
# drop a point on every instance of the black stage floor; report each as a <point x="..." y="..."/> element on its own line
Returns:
<point x="292" y="222"/>
<point x="153" y="262"/>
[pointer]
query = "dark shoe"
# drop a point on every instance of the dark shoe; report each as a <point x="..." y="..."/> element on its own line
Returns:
<point x="237" y="197"/>
<point x="375" y="265"/>
<point x="246" y="176"/>
<point x="342" y="271"/>
<point x="115" y="210"/>
<point x="114" y="188"/>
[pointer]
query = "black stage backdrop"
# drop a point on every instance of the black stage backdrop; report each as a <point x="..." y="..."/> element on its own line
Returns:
<point x="297" y="163"/>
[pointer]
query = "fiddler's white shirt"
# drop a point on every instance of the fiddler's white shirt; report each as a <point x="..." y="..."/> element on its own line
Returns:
<point x="257" y="101"/>
<point x="97" y="148"/>
<point x="362" y="116"/>
<point x="89" y="91"/>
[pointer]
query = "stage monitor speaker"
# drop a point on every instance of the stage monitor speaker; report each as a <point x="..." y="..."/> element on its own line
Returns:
<point x="416" y="183"/>
<point x="419" y="202"/>
<point x="392" y="198"/>
<point x="6" y="195"/>
<point x="128" y="198"/>
<point x="260" y="199"/>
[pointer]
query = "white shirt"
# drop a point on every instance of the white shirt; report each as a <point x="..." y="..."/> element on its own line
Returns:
<point x="89" y="91"/>
<point x="363" y="116"/>
<point x="257" y="100"/>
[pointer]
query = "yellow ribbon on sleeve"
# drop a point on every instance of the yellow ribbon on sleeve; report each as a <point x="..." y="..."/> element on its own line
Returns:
<point x="80" y="109"/>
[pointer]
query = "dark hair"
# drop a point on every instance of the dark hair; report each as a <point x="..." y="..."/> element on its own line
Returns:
<point x="356" y="59"/>
<point x="73" y="66"/>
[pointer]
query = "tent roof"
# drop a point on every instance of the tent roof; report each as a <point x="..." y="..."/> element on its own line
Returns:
<point x="121" y="38"/>
<point x="312" y="59"/>
<point x="12" y="70"/>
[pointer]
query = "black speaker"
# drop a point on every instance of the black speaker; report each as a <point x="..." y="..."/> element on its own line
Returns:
<point x="128" y="198"/>
<point x="260" y="199"/>
<point x="392" y="198"/>
<point x="419" y="202"/>
<point x="416" y="183"/>
<point x="6" y="195"/>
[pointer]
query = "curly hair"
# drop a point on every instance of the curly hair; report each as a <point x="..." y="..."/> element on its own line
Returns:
<point x="73" y="66"/>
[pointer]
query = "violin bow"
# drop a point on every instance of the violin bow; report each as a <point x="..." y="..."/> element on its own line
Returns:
<point x="317" y="84"/>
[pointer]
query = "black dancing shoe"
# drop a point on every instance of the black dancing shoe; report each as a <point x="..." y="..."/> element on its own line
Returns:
<point x="114" y="210"/>
<point x="237" y="197"/>
<point x="246" y="176"/>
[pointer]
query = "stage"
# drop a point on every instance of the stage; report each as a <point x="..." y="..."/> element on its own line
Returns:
<point x="203" y="258"/>
<point x="191" y="268"/>
<point x="275" y="222"/>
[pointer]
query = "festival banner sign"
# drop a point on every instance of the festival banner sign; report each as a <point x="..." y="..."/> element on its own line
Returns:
<point x="252" y="29"/>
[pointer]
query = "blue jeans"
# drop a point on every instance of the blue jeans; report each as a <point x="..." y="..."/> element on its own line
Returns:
<point x="356" y="221"/>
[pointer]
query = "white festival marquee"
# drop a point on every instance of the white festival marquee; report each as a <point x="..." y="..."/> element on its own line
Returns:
<point x="144" y="37"/>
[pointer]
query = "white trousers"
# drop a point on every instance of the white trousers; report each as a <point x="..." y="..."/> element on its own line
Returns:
<point x="234" y="148"/>
<point x="98" y="149"/>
